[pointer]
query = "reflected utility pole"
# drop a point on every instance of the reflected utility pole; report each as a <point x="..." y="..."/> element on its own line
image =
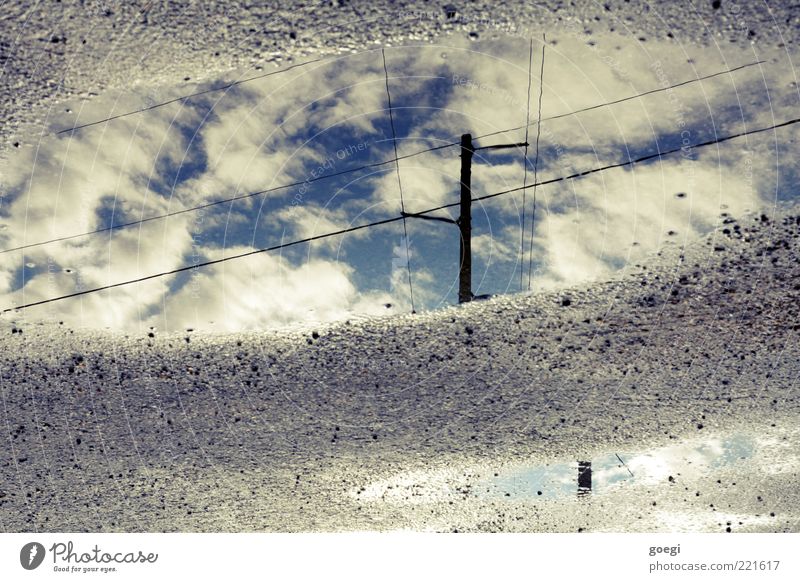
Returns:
<point x="584" y="477"/>
<point x="464" y="222"/>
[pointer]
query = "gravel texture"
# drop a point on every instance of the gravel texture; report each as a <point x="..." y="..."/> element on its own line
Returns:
<point x="285" y="430"/>
<point x="52" y="52"/>
<point x="289" y="431"/>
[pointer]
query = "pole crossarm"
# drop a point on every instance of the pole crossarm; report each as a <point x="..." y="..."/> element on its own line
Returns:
<point x="505" y="146"/>
<point x="426" y="217"/>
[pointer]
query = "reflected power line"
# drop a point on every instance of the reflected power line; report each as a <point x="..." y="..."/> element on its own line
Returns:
<point x="399" y="218"/>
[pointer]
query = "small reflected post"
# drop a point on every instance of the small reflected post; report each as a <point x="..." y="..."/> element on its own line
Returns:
<point x="584" y="477"/>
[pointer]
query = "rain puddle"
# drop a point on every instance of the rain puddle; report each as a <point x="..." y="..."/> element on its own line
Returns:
<point x="609" y="471"/>
<point x="307" y="134"/>
<point x="604" y="474"/>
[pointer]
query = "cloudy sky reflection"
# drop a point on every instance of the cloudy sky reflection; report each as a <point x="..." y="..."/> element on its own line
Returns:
<point x="331" y="116"/>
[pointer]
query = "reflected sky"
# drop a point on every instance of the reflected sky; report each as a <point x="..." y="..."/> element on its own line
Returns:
<point x="687" y="486"/>
<point x="331" y="116"/>
<point x="613" y="470"/>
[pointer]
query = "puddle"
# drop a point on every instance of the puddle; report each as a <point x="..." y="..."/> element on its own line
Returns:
<point x="740" y="481"/>
<point x="608" y="472"/>
<point x="307" y="149"/>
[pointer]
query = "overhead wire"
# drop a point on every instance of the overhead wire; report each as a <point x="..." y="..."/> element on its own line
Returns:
<point x="624" y="99"/>
<point x="189" y="96"/>
<point x="536" y="164"/>
<point x="399" y="218"/>
<point x="399" y="184"/>
<point x="346" y="171"/>
<point x="525" y="166"/>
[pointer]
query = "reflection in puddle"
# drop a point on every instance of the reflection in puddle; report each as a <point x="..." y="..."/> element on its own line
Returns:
<point x="601" y="475"/>
<point x="313" y="147"/>
<point x="584" y="477"/>
<point x="609" y="471"/>
<point x="740" y="481"/>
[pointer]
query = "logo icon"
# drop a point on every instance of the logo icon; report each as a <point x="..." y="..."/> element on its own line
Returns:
<point x="31" y="555"/>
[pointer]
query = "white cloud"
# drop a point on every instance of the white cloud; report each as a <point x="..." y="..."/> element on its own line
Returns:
<point x="301" y="222"/>
<point x="271" y="132"/>
<point x="425" y="185"/>
<point x="267" y="290"/>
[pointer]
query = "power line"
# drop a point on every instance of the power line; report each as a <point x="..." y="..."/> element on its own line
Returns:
<point x="191" y="95"/>
<point x="622" y="100"/>
<point x="399" y="218"/>
<point x="399" y="183"/>
<point x="320" y="59"/>
<point x="221" y="201"/>
<point x="350" y="170"/>
<point x="525" y="165"/>
<point x="535" y="165"/>
<point x="622" y="164"/>
<point x="205" y="264"/>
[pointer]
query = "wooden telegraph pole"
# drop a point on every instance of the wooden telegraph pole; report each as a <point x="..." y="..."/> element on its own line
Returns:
<point x="584" y="477"/>
<point x="464" y="221"/>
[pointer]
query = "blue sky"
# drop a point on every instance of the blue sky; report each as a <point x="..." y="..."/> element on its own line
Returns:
<point x="332" y="116"/>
